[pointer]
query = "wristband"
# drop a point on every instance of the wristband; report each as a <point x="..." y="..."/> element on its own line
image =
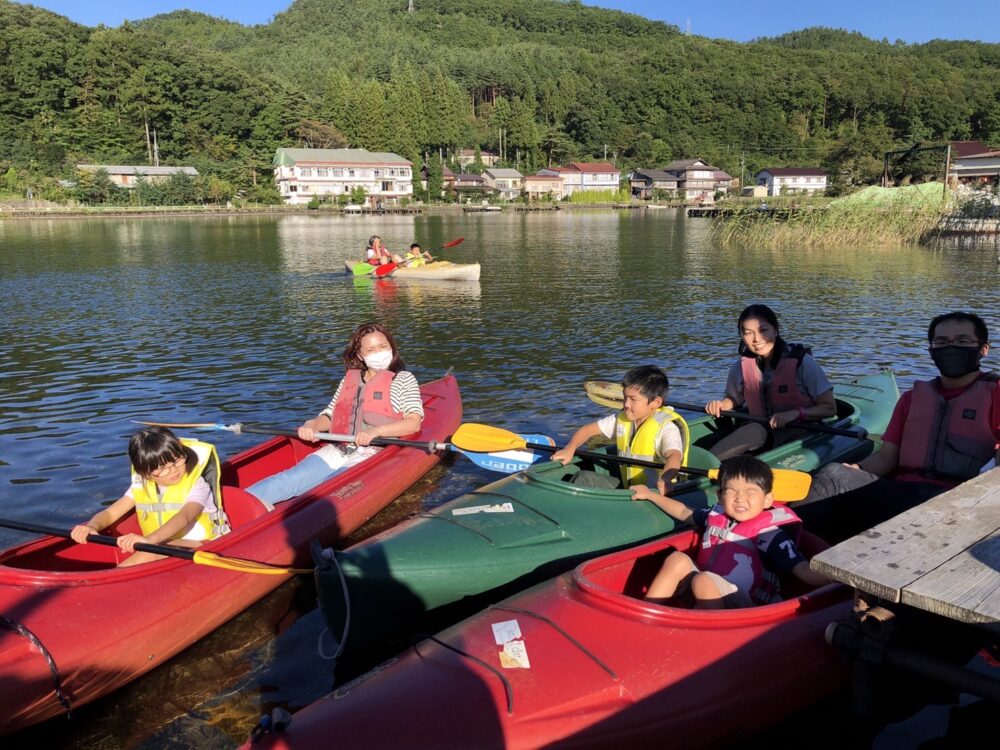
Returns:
<point x="802" y="413"/>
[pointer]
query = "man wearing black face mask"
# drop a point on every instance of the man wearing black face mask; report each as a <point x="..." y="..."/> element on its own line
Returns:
<point x="942" y="432"/>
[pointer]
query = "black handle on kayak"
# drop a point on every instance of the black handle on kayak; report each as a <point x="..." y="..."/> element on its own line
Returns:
<point x="612" y="458"/>
<point x="110" y="541"/>
<point x="813" y="426"/>
<point x="428" y="445"/>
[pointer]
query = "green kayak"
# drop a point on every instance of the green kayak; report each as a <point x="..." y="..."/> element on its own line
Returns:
<point x="533" y="525"/>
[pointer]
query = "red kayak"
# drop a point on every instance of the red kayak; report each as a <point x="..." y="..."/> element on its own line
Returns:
<point x="581" y="661"/>
<point x="76" y="621"/>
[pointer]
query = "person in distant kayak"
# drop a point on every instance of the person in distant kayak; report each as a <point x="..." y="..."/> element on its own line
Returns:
<point x="747" y="543"/>
<point x="376" y="253"/>
<point x="941" y="433"/>
<point x="415" y="257"/>
<point x="771" y="379"/>
<point x="175" y="494"/>
<point x="376" y="398"/>
<point x="644" y="429"/>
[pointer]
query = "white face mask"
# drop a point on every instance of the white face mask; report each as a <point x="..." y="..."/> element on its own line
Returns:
<point x="379" y="360"/>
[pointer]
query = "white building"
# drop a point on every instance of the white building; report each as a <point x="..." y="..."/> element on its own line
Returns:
<point x="302" y="174"/>
<point x="128" y="176"/>
<point x="585" y="176"/>
<point x="789" y="180"/>
<point x="506" y="182"/>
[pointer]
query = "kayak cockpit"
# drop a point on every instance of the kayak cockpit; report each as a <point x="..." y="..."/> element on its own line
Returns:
<point x="58" y="554"/>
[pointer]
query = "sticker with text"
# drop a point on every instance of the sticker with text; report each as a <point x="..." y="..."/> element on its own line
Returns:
<point x="498" y="508"/>
<point x="514" y="656"/>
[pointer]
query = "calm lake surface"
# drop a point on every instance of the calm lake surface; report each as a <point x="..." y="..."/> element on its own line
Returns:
<point x="243" y="319"/>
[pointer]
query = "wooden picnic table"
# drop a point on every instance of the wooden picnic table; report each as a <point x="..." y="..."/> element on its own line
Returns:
<point x="942" y="557"/>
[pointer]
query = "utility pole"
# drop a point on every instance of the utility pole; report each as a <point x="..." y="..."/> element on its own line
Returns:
<point x="605" y="152"/>
<point x="410" y="8"/>
<point x="156" y="150"/>
<point x="947" y="169"/>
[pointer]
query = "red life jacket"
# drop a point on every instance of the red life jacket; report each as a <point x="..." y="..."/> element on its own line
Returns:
<point x="361" y="405"/>
<point x="730" y="550"/>
<point x="951" y="438"/>
<point x="782" y="393"/>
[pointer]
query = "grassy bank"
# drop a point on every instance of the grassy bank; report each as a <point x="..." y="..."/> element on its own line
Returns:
<point x="882" y="216"/>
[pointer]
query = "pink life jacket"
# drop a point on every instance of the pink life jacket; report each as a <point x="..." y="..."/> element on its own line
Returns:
<point x="730" y="550"/>
<point x="950" y="438"/>
<point x="360" y="405"/>
<point x="782" y="393"/>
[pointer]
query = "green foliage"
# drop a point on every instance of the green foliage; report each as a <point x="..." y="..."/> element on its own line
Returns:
<point x="559" y="80"/>
<point x="358" y="195"/>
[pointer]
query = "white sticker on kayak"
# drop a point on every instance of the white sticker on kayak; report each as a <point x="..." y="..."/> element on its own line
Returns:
<point x="514" y="656"/>
<point x="506" y="631"/>
<point x="498" y="508"/>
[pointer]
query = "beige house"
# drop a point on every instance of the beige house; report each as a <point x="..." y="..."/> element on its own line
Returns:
<point x="538" y="185"/>
<point x="128" y="176"/>
<point x="506" y="182"/>
<point x="302" y="174"/>
<point x="790" y="180"/>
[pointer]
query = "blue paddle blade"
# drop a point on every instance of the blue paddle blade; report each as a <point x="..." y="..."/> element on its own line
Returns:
<point x="508" y="462"/>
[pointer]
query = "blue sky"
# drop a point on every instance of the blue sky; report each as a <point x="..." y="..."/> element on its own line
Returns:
<point x="909" y="20"/>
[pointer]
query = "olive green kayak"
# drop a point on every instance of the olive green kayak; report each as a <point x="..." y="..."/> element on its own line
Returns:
<point x="533" y="525"/>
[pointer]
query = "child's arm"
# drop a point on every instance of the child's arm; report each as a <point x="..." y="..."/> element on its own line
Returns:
<point x="670" y="469"/>
<point x="803" y="572"/>
<point x="102" y="519"/>
<point x="581" y="436"/>
<point x="673" y="508"/>
<point x="177" y="526"/>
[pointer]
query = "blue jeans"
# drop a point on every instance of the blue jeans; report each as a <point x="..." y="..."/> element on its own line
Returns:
<point x="287" y="484"/>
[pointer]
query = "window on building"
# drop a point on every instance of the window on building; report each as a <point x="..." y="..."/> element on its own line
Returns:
<point x="337" y="172"/>
<point x="350" y="173"/>
<point x="386" y="186"/>
<point x="306" y="171"/>
<point x="293" y="188"/>
<point x="322" y="171"/>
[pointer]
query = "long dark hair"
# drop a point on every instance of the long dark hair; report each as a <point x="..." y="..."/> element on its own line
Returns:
<point x="352" y="356"/>
<point x="765" y="313"/>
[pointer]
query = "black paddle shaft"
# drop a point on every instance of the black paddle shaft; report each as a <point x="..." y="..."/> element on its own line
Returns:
<point x="612" y="458"/>
<point x="110" y="541"/>
<point x="814" y="426"/>
<point x="428" y="445"/>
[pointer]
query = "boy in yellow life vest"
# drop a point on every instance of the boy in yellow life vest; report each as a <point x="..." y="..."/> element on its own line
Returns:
<point x="415" y="257"/>
<point x="644" y="429"/>
<point x="174" y="491"/>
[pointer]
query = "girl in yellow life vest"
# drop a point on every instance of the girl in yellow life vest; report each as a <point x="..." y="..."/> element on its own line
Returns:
<point x="644" y="429"/>
<point x="175" y="495"/>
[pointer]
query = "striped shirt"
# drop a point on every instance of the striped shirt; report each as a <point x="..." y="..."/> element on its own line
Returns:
<point x="404" y="395"/>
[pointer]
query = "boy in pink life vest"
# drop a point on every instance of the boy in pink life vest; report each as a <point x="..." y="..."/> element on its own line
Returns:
<point x="942" y="432"/>
<point x="746" y="544"/>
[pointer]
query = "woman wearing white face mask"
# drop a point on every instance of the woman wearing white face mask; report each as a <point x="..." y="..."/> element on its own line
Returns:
<point x="376" y="398"/>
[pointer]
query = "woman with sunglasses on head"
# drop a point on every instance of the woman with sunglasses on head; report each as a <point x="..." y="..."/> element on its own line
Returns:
<point x="772" y="379"/>
<point x="376" y="398"/>
<point x="174" y="491"/>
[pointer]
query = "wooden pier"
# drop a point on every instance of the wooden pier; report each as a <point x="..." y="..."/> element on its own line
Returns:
<point x="927" y="586"/>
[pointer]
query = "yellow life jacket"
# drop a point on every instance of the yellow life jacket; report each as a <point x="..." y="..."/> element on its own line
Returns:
<point x="643" y="445"/>
<point x="155" y="505"/>
<point x="414" y="261"/>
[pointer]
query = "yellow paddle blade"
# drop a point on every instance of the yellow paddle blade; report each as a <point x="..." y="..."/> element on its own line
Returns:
<point x="789" y="485"/>
<point x="244" y="566"/>
<point x="605" y="392"/>
<point x="482" y="438"/>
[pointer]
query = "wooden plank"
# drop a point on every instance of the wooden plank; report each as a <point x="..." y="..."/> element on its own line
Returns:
<point x="966" y="588"/>
<point x="884" y="560"/>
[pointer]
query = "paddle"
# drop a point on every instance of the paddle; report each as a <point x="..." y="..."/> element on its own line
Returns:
<point x="604" y="392"/>
<point x="505" y="462"/>
<point x="238" y="429"/>
<point x="199" y="557"/>
<point x="388" y="268"/>
<point x="789" y="485"/>
<point x="362" y="269"/>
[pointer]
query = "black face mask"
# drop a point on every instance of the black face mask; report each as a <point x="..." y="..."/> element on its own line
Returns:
<point x="956" y="361"/>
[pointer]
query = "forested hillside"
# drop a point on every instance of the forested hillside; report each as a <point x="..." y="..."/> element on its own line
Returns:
<point x="559" y="80"/>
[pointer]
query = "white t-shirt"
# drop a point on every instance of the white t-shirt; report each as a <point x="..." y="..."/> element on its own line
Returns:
<point x="667" y="439"/>
<point x="201" y="493"/>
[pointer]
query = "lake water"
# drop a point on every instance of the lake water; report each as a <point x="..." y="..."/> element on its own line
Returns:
<point x="243" y="319"/>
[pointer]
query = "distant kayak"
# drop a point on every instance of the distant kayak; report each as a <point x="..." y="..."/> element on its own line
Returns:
<point x="439" y="270"/>
<point x="583" y="661"/>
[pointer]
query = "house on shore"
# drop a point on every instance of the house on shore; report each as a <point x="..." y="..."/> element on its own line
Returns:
<point x="537" y="186"/>
<point x="643" y="183"/>
<point x="302" y="174"/>
<point x="974" y="163"/>
<point x="127" y="176"/>
<point x="792" y="180"/>
<point x="467" y="156"/>
<point x="585" y="176"/>
<point x="695" y="179"/>
<point x="507" y="183"/>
